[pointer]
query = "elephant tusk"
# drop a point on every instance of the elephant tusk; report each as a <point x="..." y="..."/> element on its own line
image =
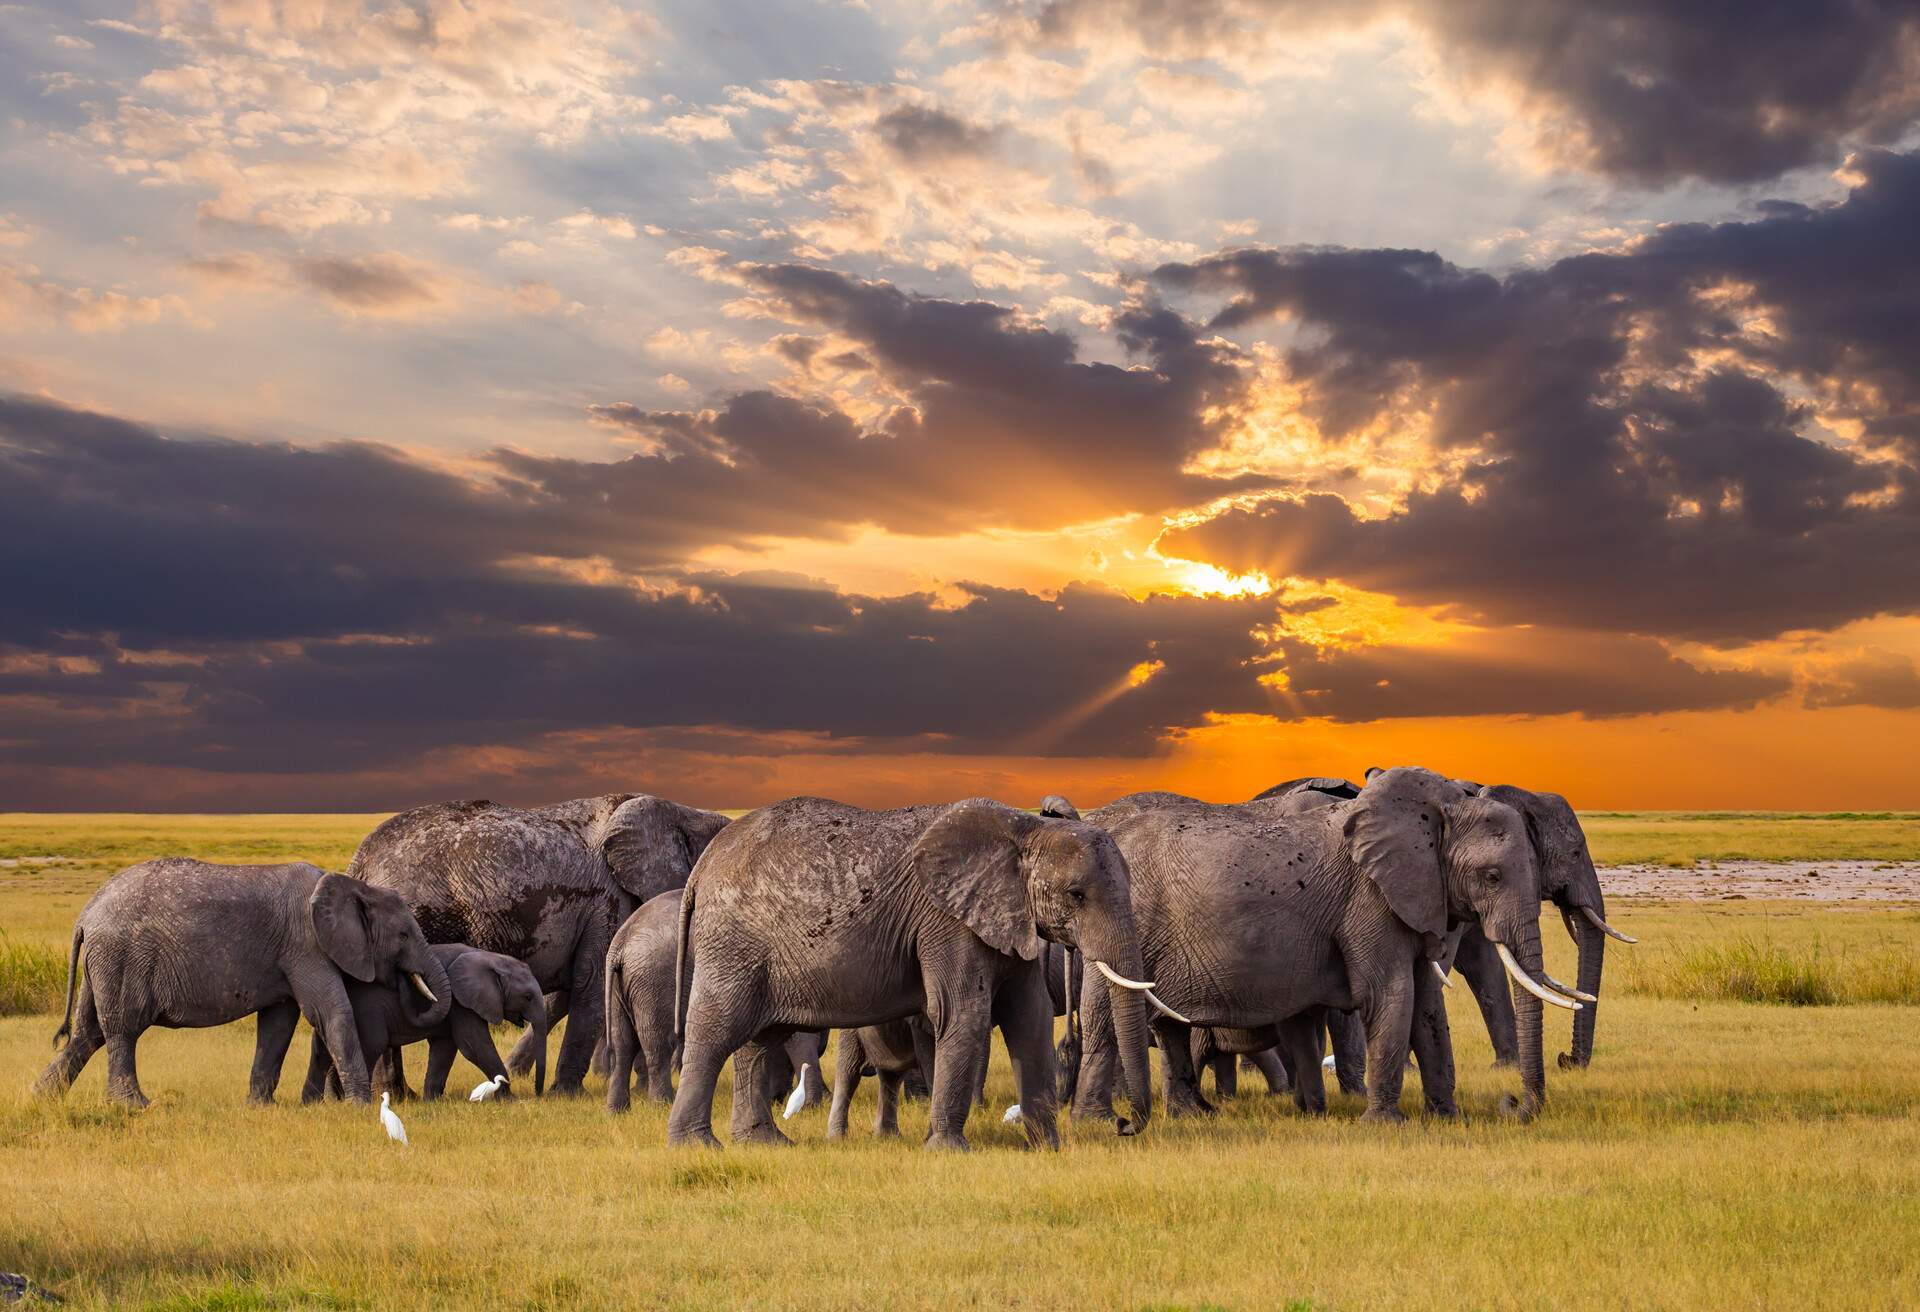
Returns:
<point x="1526" y="982"/>
<point x="1605" y="928"/>
<point x="421" y="984"/>
<point x="1566" y="919"/>
<point x="1553" y="983"/>
<point x="1165" y="1010"/>
<point x="1120" y="979"/>
<point x="1441" y="971"/>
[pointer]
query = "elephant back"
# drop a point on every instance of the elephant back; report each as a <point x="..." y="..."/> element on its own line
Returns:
<point x="480" y="873"/>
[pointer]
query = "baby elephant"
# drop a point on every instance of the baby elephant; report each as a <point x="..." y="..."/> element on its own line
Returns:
<point x="488" y="989"/>
<point x="639" y="1011"/>
<point x="894" y="1050"/>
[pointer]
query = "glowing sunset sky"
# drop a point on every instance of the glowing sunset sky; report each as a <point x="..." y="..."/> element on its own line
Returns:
<point x="411" y="399"/>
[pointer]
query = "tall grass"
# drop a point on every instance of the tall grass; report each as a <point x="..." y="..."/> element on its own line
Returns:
<point x="1750" y="969"/>
<point x="32" y="979"/>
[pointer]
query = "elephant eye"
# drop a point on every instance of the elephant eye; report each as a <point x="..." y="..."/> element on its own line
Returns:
<point x="1077" y="893"/>
<point x="1491" y="874"/>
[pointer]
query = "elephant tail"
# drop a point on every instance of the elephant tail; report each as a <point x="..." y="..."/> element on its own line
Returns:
<point x="65" y="1031"/>
<point x="682" y="968"/>
<point x="614" y="982"/>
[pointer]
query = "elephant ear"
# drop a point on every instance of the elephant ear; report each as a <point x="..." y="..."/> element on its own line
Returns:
<point x="1559" y="844"/>
<point x="971" y="860"/>
<point x="1055" y="807"/>
<point x="337" y="909"/>
<point x="1328" y="785"/>
<point x="477" y="986"/>
<point x="650" y="844"/>
<point x="1396" y="831"/>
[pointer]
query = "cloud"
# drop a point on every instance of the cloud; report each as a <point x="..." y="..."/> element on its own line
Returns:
<point x="1654" y="95"/>
<point x="380" y="286"/>
<point x="1709" y="434"/>
<point x="1873" y="678"/>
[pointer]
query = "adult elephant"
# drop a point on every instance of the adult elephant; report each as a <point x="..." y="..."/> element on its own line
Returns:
<point x="810" y="914"/>
<point x="184" y="944"/>
<point x="1568" y="880"/>
<point x="1260" y="913"/>
<point x="547" y="885"/>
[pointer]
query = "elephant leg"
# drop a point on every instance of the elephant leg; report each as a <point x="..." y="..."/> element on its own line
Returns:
<point x="272" y="1034"/>
<point x="1480" y="966"/>
<point x="87" y="1038"/>
<point x="886" y="1121"/>
<point x="123" y="1076"/>
<point x="961" y="1032"/>
<point x="716" y="1028"/>
<point x="848" y="1058"/>
<point x="319" y="1068"/>
<point x="1183" y="1081"/>
<point x="623" y="1045"/>
<point x="752" y="1109"/>
<point x="585" y="1005"/>
<point x="441" y="1050"/>
<point x="520" y="1060"/>
<point x="1388" y="1015"/>
<point x="811" y="1078"/>
<point x="1433" y="1044"/>
<point x="323" y="999"/>
<point x="1025" y="1017"/>
<point x="473" y="1040"/>
<point x="390" y="1072"/>
<point x="1271" y="1068"/>
<point x="1093" y="1097"/>
<point x="1349" y="1038"/>
<point x="1300" y="1047"/>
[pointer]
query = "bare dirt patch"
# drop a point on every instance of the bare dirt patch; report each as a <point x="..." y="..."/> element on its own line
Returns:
<point x="1810" y="881"/>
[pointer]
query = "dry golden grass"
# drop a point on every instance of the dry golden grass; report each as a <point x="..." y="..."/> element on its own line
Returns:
<point x="1716" y="1155"/>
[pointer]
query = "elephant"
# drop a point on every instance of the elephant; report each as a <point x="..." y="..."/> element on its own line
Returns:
<point x="185" y="944"/>
<point x="1567" y="879"/>
<point x="1215" y="1049"/>
<point x="893" y="1051"/>
<point x="810" y="913"/>
<point x="488" y="989"/>
<point x="1255" y="914"/>
<point x="639" y="1012"/>
<point x="548" y="885"/>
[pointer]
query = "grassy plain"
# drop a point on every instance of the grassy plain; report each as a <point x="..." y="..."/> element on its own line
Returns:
<point x="1718" y="1154"/>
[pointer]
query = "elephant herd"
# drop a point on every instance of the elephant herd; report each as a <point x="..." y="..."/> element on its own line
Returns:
<point x="672" y="939"/>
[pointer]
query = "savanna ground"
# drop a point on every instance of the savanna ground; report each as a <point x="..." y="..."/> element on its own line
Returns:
<point x="1726" y="1149"/>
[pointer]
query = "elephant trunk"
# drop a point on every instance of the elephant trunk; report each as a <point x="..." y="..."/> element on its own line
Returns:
<point x="1119" y="950"/>
<point x="417" y="971"/>
<point x="537" y="1024"/>
<point x="1527" y="1026"/>
<point x="1593" y="952"/>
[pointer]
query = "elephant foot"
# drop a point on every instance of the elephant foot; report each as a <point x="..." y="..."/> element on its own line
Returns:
<point x="1569" y="1062"/>
<point x="1501" y="1063"/>
<point x="1194" y="1106"/>
<point x="575" y="1089"/>
<point x="617" y="1106"/>
<point x="767" y="1135"/>
<point x="1444" y="1112"/>
<point x="132" y="1099"/>
<point x="948" y="1142"/>
<point x="1094" y="1113"/>
<point x="1384" y="1116"/>
<point x="702" y="1137"/>
<point x="1517" y="1109"/>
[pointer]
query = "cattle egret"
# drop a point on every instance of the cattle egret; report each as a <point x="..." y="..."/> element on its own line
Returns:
<point x="391" y="1119"/>
<point x="486" y="1089"/>
<point x="1012" y="1115"/>
<point x="798" y="1098"/>
<point x="1327" y="1062"/>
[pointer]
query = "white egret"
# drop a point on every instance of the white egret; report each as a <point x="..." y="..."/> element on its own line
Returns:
<point x="1012" y="1115"/>
<point x="487" y="1089"/>
<point x="391" y="1119"/>
<point x="1327" y="1062"/>
<point x="798" y="1098"/>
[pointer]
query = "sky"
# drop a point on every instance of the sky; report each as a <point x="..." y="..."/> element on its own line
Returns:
<point x="413" y="399"/>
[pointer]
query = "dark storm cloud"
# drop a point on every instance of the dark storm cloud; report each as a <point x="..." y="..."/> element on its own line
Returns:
<point x="922" y="134"/>
<point x="1514" y="672"/>
<point x="242" y="608"/>
<point x="377" y="284"/>
<point x="1007" y="426"/>
<point x="1640" y="454"/>
<point x="1643" y="90"/>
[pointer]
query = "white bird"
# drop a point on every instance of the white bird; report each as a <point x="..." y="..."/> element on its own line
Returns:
<point x="1012" y="1114"/>
<point x="486" y="1089"/>
<point x="391" y="1119"/>
<point x="798" y="1098"/>
<point x="1327" y="1062"/>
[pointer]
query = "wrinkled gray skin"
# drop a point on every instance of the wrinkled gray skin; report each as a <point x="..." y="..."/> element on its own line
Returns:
<point x="892" y="1051"/>
<point x="183" y="944"/>
<point x="1252" y="915"/>
<point x="488" y="989"/>
<point x="548" y="886"/>
<point x="1216" y="1050"/>
<point x="1569" y="881"/>
<point x="811" y="914"/>
<point x="639" y="1011"/>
